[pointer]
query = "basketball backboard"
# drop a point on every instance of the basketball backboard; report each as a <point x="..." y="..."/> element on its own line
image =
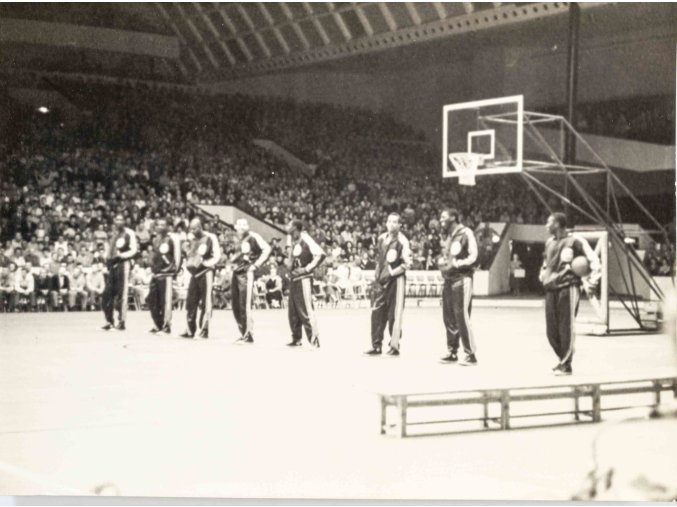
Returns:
<point x="490" y="131"/>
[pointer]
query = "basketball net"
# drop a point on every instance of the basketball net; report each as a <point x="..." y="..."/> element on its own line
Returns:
<point x="466" y="166"/>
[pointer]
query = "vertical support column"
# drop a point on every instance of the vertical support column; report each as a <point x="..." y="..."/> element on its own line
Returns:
<point x="572" y="89"/>
<point x="485" y="403"/>
<point x="505" y="410"/>
<point x="596" y="404"/>
<point x="402" y="409"/>
<point x="384" y="408"/>
<point x="576" y="404"/>
<point x="657" y="392"/>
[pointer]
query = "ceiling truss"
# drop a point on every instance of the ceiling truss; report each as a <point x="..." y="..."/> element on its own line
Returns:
<point x="230" y="40"/>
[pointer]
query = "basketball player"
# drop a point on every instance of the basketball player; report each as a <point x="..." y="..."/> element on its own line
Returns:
<point x="203" y="254"/>
<point x="458" y="263"/>
<point x="122" y="248"/>
<point x="393" y="258"/>
<point x="254" y="252"/>
<point x="562" y="287"/>
<point x="165" y="264"/>
<point x="306" y="255"/>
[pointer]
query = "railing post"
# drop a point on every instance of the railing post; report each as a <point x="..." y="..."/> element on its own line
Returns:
<point x="402" y="406"/>
<point x="596" y="404"/>
<point x="505" y="410"/>
<point x="384" y="408"/>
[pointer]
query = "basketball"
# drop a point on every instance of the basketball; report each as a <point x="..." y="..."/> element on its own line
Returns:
<point x="581" y="266"/>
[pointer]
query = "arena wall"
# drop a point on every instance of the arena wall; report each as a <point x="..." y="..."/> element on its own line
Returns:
<point x="633" y="63"/>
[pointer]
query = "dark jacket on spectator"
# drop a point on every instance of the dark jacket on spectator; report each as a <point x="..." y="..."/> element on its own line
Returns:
<point x="57" y="283"/>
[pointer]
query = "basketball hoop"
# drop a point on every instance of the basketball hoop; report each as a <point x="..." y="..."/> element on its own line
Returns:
<point x="466" y="165"/>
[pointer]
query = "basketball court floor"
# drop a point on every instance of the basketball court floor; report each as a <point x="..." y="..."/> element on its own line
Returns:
<point x="135" y="414"/>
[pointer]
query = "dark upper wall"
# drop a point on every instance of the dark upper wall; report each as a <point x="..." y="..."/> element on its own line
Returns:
<point x="624" y="52"/>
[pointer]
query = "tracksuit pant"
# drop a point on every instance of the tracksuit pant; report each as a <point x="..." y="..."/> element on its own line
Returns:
<point x="199" y="300"/>
<point x="242" y="294"/>
<point x="301" y="310"/>
<point x="160" y="302"/>
<point x="116" y="292"/>
<point x="561" y="307"/>
<point x="456" y="308"/>
<point x="387" y="306"/>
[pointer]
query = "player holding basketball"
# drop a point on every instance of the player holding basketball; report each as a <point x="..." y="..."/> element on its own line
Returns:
<point x="203" y="254"/>
<point x="306" y="255"/>
<point x="562" y="287"/>
<point x="458" y="263"/>
<point x="393" y="258"/>
<point x="165" y="264"/>
<point x="254" y="252"/>
<point x="121" y="249"/>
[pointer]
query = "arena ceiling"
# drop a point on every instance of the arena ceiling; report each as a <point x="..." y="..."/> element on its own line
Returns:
<point x="222" y="41"/>
<point x="226" y="40"/>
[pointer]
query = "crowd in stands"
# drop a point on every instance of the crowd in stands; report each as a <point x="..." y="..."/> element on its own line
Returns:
<point x="149" y="153"/>
<point x="647" y="119"/>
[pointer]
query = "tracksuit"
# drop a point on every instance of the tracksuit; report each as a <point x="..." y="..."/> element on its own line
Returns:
<point x="165" y="263"/>
<point x="203" y="255"/>
<point x="306" y="255"/>
<point x="562" y="292"/>
<point x="393" y="258"/>
<point x="121" y="249"/>
<point x="252" y="248"/>
<point x="459" y="263"/>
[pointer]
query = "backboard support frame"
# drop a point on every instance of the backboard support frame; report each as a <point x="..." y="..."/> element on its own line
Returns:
<point x="601" y="209"/>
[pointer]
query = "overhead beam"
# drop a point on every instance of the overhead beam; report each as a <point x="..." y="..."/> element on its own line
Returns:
<point x="297" y="28"/>
<point x="364" y="21"/>
<point x="271" y="25"/>
<point x="413" y="13"/>
<point x="397" y="37"/>
<point x="231" y="28"/>
<point x="388" y="16"/>
<point x="175" y="29"/>
<point x="316" y="23"/>
<point x="340" y="23"/>
<point x="257" y="35"/>
<point x="215" y="32"/>
<point x="439" y="9"/>
<point x="198" y="36"/>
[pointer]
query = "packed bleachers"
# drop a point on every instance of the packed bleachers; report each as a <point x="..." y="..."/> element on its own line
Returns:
<point x="648" y="119"/>
<point x="148" y="153"/>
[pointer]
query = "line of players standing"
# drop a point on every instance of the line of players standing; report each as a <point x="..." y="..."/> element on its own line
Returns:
<point x="393" y="258"/>
<point x="204" y="252"/>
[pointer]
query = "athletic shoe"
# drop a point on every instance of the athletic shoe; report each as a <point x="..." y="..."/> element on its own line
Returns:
<point x="469" y="360"/>
<point x="120" y="326"/>
<point x="166" y="330"/>
<point x="294" y="343"/>
<point x="563" y="371"/>
<point x="186" y="335"/>
<point x="393" y="352"/>
<point x="376" y="351"/>
<point x="316" y="342"/>
<point x="451" y="358"/>
<point x="154" y="330"/>
<point x="107" y="327"/>
<point x="204" y="334"/>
